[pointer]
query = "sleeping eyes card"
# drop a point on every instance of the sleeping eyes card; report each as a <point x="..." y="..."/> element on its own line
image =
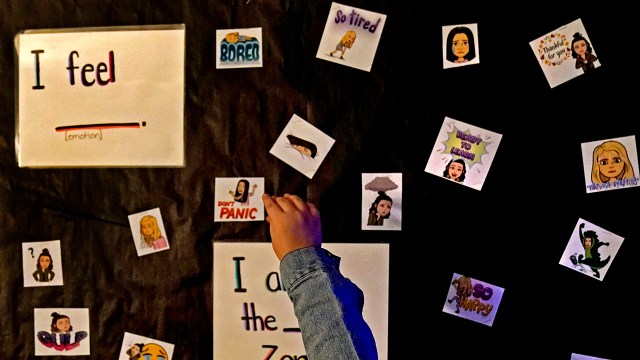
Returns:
<point x="302" y="146"/>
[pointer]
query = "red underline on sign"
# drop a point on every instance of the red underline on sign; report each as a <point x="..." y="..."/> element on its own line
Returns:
<point x="130" y="125"/>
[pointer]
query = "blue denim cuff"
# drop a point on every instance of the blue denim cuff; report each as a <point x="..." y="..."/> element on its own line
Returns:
<point x="301" y="262"/>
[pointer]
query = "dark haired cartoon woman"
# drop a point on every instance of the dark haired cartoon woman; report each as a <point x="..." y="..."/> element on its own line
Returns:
<point x="44" y="267"/>
<point x="380" y="209"/>
<point x="455" y="170"/>
<point x="60" y="323"/>
<point x="135" y="351"/>
<point x="242" y="193"/>
<point x="462" y="45"/>
<point x="582" y="52"/>
<point x="591" y="257"/>
<point x="304" y="147"/>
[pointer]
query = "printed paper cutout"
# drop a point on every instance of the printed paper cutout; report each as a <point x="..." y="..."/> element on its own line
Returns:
<point x="61" y="331"/>
<point x="253" y="317"/>
<point x="460" y="46"/>
<point x="591" y="250"/>
<point x="101" y="97"/>
<point x="239" y="48"/>
<point x="473" y="299"/>
<point x="302" y="146"/>
<point x="148" y="232"/>
<point x="382" y="201"/>
<point x="585" y="357"/>
<point x="463" y="153"/>
<point x="610" y="164"/>
<point x="138" y="347"/>
<point x="351" y="36"/>
<point x="565" y="53"/>
<point x="42" y="263"/>
<point x="239" y="199"/>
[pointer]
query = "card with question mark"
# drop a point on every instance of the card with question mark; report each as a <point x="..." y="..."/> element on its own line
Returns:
<point x="42" y="263"/>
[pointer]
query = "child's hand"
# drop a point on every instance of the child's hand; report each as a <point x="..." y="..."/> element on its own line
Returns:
<point x="294" y="223"/>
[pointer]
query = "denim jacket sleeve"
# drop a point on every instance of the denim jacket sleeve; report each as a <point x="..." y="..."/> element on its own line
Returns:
<point x="328" y="306"/>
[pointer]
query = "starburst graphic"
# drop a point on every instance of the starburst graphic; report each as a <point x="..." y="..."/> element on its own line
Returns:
<point x="465" y="145"/>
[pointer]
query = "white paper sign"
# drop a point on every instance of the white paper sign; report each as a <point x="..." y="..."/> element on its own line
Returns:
<point x="101" y="97"/>
<point x="253" y="317"/>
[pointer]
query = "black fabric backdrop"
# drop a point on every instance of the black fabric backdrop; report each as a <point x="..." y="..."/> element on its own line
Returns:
<point x="510" y="234"/>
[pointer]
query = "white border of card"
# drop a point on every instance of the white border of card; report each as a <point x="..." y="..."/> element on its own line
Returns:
<point x="63" y="121"/>
<point x="303" y="146"/>
<point x="76" y="342"/>
<point x="599" y="157"/>
<point x="390" y="184"/>
<point x="130" y="339"/>
<point x="605" y="246"/>
<point x="253" y="317"/>
<point x="229" y="209"/>
<point x="134" y="222"/>
<point x="239" y="48"/>
<point x="31" y="252"/>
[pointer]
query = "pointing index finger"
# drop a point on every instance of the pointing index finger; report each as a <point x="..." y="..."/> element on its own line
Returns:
<point x="270" y="204"/>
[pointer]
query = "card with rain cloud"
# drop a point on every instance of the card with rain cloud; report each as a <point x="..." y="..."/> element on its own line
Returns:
<point x="381" y="201"/>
